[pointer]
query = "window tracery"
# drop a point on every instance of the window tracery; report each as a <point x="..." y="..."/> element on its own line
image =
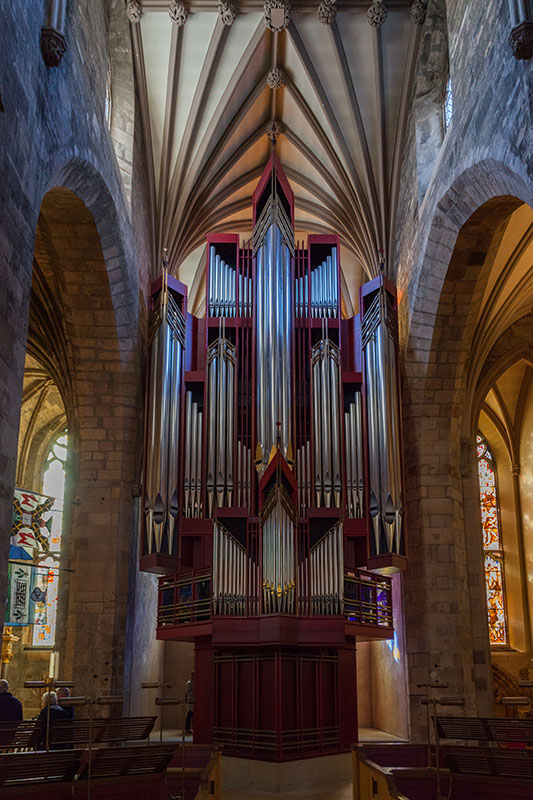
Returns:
<point x="46" y="578"/>
<point x="492" y="543"/>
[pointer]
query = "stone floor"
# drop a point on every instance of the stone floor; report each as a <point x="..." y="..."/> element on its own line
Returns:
<point x="375" y="735"/>
<point x="340" y="791"/>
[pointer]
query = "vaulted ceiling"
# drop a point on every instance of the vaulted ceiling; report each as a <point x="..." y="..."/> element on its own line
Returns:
<point x="338" y="86"/>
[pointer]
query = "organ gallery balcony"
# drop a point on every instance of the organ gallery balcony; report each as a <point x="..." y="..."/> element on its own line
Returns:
<point x="188" y="607"/>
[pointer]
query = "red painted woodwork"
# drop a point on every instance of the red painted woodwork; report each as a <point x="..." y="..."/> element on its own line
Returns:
<point x="274" y="686"/>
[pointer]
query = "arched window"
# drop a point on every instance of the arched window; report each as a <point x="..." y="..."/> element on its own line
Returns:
<point x="492" y="543"/>
<point x="46" y="584"/>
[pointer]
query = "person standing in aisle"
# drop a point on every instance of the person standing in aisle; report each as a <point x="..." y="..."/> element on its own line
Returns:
<point x="190" y="700"/>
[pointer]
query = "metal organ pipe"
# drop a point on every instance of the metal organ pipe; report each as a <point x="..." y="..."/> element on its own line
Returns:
<point x="327" y="574"/>
<point x="326" y="399"/>
<point x="163" y="428"/>
<point x="383" y="403"/>
<point x="278" y="558"/>
<point x="221" y="387"/>
<point x="273" y="336"/>
<point x="354" y="458"/>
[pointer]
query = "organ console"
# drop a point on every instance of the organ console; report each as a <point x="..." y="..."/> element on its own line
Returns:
<point x="273" y="482"/>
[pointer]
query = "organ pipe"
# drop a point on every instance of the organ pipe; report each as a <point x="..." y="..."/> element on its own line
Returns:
<point x="221" y="359"/>
<point x="379" y="338"/>
<point x="326" y="399"/>
<point x="274" y="381"/>
<point x="162" y="486"/>
<point x="273" y="244"/>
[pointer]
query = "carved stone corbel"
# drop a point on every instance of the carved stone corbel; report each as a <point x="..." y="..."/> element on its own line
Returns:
<point x="521" y="40"/>
<point x="53" y="46"/>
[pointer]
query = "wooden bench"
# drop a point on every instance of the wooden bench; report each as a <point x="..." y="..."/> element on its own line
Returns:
<point x="490" y="757"/>
<point x="28" y="768"/>
<point x="29" y="734"/>
<point x="485" y="729"/>
<point x="115" y="762"/>
<point x="195" y="772"/>
<point x="21" y="735"/>
<point x="116" y="773"/>
<point x="103" y="731"/>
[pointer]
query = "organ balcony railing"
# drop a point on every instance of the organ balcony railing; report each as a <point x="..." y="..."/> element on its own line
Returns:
<point x="186" y="598"/>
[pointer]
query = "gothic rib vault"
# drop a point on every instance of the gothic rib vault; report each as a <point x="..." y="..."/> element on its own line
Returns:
<point x="337" y="77"/>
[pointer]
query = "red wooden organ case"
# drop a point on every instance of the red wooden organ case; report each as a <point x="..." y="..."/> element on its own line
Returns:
<point x="272" y="483"/>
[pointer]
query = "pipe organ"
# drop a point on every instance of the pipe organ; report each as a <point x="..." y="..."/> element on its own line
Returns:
<point x="273" y="483"/>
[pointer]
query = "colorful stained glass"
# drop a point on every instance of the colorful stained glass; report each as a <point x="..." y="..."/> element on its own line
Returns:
<point x="46" y="589"/>
<point x="495" y="598"/>
<point x="492" y="544"/>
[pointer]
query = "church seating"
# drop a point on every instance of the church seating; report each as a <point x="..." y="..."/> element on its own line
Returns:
<point x="28" y="733"/>
<point x="30" y="768"/>
<point x="20" y="735"/>
<point x="101" y="731"/>
<point x="195" y="772"/>
<point x="114" y="772"/>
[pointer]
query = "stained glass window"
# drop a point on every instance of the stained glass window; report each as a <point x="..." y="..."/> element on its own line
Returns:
<point x="492" y="543"/>
<point x="48" y="571"/>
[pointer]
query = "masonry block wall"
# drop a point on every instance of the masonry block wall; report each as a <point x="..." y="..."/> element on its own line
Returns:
<point x="487" y="153"/>
<point x="53" y="133"/>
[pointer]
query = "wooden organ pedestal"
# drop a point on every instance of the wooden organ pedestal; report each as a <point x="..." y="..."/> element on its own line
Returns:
<point x="273" y="484"/>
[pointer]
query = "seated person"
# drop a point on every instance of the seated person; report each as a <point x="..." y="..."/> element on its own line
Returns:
<point x="62" y="692"/>
<point x="50" y="706"/>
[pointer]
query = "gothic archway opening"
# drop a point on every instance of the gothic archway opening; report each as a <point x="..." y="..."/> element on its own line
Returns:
<point x="483" y="290"/>
<point x="81" y="378"/>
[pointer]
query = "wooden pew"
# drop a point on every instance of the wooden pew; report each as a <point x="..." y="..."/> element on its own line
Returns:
<point x="29" y="734"/>
<point x="116" y="773"/>
<point x="21" y="735"/>
<point x="491" y="757"/>
<point x="485" y="729"/>
<point x="195" y="771"/>
<point x="18" y="769"/>
<point x="117" y="762"/>
<point x="103" y="731"/>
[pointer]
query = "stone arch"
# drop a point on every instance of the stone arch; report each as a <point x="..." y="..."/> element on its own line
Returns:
<point x="445" y="579"/>
<point x="85" y="329"/>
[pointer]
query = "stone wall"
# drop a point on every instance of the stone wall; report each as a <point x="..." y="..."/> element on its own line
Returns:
<point x="53" y="133"/>
<point x="487" y="153"/>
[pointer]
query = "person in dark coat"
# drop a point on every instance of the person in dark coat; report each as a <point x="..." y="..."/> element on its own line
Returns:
<point x="63" y="692"/>
<point x="10" y="707"/>
<point x="50" y="706"/>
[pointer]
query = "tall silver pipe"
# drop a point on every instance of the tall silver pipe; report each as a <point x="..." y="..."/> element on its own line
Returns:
<point x="334" y="387"/>
<point x="349" y="465"/>
<point x="335" y="271"/>
<point x="187" y="476"/>
<point x="193" y="432"/>
<point x="327" y="477"/>
<point x="317" y="418"/>
<point x="211" y="463"/>
<point x="228" y="421"/>
<point x="359" y="452"/>
<point x="353" y="461"/>
<point x="211" y="289"/>
<point x="162" y="421"/>
<point x="218" y="286"/>
<point x="221" y="436"/>
<point x="273" y="336"/>
<point x="384" y="423"/>
<point x="330" y="287"/>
